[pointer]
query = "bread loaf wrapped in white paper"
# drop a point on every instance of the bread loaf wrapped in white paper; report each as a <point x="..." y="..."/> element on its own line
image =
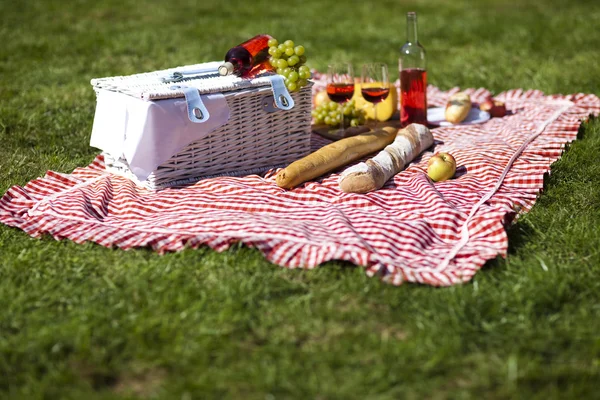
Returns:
<point x="375" y="172"/>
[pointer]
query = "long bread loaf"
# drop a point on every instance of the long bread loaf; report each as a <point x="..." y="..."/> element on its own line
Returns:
<point x="375" y="172"/>
<point x="334" y="155"/>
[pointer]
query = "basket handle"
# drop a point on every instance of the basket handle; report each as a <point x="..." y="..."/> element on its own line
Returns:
<point x="282" y="97"/>
<point x="197" y="111"/>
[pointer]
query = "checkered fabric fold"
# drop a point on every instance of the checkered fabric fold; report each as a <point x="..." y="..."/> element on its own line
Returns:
<point x="410" y="230"/>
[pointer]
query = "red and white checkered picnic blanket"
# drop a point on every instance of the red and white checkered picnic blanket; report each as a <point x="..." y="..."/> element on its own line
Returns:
<point x="411" y="230"/>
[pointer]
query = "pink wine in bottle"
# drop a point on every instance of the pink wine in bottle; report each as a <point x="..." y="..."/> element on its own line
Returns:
<point x="413" y="95"/>
<point x="248" y="59"/>
<point x="413" y="77"/>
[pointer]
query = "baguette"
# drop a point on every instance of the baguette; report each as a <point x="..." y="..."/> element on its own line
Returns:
<point x="374" y="173"/>
<point x="334" y="155"/>
<point x="458" y="107"/>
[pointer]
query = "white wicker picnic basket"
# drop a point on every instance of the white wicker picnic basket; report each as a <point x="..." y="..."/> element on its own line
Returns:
<point x="257" y="136"/>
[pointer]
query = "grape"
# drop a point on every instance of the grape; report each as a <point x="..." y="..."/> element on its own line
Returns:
<point x="288" y="60"/>
<point x="329" y="113"/>
<point x="291" y="86"/>
<point x="282" y="63"/>
<point x="293" y="60"/>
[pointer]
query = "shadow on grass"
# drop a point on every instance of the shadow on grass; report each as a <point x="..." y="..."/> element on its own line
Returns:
<point x="519" y="234"/>
<point x="582" y="128"/>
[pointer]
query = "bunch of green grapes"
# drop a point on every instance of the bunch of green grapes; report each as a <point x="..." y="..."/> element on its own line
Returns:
<point x="289" y="61"/>
<point x="328" y="113"/>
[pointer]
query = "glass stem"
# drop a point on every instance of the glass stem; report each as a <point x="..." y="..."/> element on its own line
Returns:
<point x="342" y="119"/>
<point x="375" y="113"/>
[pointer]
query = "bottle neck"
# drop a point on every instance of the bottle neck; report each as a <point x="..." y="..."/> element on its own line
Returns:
<point x="226" y="68"/>
<point x="411" y="27"/>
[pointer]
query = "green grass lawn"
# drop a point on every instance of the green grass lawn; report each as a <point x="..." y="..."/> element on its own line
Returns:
<point x="86" y="322"/>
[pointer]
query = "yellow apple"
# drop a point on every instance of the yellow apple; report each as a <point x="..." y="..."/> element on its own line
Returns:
<point x="320" y="98"/>
<point x="441" y="166"/>
<point x="385" y="109"/>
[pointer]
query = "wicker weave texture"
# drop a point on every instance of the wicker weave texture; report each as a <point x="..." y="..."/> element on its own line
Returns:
<point x="252" y="141"/>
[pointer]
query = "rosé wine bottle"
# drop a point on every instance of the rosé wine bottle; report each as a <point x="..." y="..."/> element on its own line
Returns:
<point x="248" y="59"/>
<point x="413" y="77"/>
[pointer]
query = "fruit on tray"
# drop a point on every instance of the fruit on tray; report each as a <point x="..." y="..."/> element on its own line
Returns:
<point x="441" y="166"/>
<point x="374" y="173"/>
<point x="320" y="98"/>
<point x="328" y="113"/>
<point x="497" y="109"/>
<point x="385" y="109"/>
<point x="334" y="155"/>
<point x="458" y="107"/>
<point x="289" y="59"/>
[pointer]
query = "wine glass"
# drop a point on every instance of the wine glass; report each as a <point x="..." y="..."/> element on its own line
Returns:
<point x="375" y="84"/>
<point x="340" y="86"/>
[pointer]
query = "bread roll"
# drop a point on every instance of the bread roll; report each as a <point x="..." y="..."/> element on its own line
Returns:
<point x="458" y="107"/>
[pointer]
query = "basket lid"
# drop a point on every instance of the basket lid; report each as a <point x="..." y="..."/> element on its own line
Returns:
<point x="163" y="84"/>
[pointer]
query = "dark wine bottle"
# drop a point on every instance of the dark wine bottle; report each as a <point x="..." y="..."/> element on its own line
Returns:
<point x="248" y="58"/>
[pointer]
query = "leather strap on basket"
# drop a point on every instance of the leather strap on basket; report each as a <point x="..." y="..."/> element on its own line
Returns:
<point x="282" y="97"/>
<point x="197" y="111"/>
